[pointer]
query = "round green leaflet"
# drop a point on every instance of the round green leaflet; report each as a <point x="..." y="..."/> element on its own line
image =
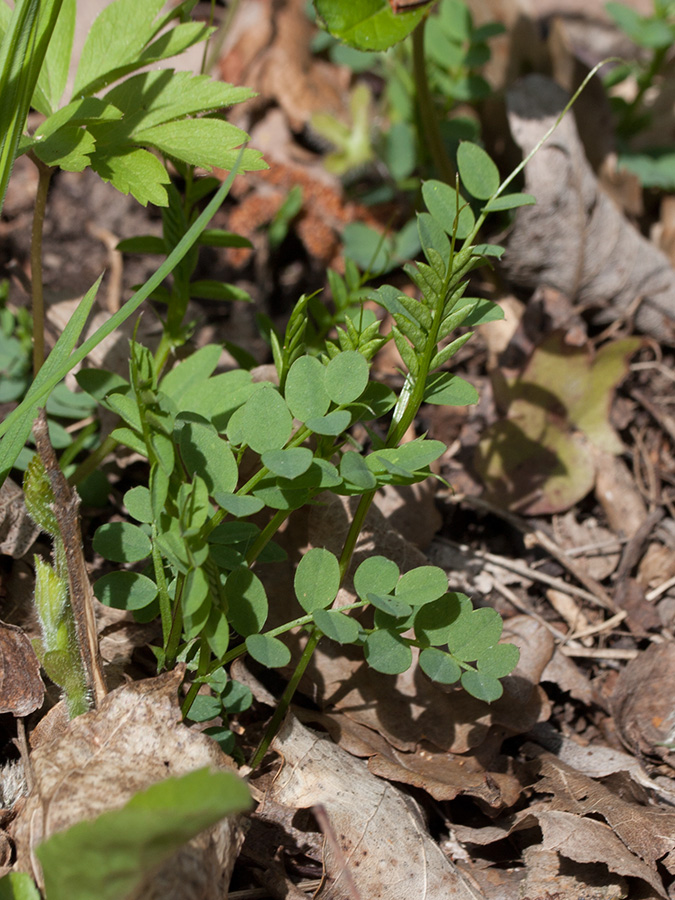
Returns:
<point x="479" y="175"/>
<point x="247" y="601"/>
<point x="450" y="210"/>
<point x="317" y="579"/>
<point x="346" y="377"/>
<point x="387" y="652"/>
<point x="336" y="625"/>
<point x="422" y="585"/>
<point x="439" y="666"/>
<point x="268" y="651"/>
<point x="263" y="422"/>
<point x="377" y="574"/>
<point x="122" y="542"/>
<point x="138" y="502"/>
<point x="206" y="454"/>
<point x="125" y="590"/>
<point x="305" y="392"/>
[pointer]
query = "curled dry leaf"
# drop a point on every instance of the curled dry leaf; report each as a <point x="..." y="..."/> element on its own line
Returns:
<point x="103" y="758"/>
<point x="575" y="239"/>
<point x="21" y="687"/>
<point x="380" y="832"/>
<point x="18" y="532"/>
<point x="643" y="705"/>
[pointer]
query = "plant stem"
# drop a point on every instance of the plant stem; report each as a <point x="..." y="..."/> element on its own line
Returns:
<point x="93" y="461"/>
<point x="354" y="532"/>
<point x="427" y="111"/>
<point x="171" y="649"/>
<point x="267" y="534"/>
<point x="285" y="701"/>
<point x="38" y="303"/>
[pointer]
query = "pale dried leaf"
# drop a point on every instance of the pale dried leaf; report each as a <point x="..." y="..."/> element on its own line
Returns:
<point x="134" y="739"/>
<point x="575" y="239"/>
<point x="380" y="831"/>
<point x="21" y="687"/>
<point x="18" y="532"/>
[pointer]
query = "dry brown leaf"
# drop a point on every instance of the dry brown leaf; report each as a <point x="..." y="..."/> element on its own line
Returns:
<point x="603" y="553"/>
<point x="617" y="493"/>
<point x="547" y="876"/>
<point x="18" y="532"/>
<point x="134" y="739"/>
<point x="380" y="831"/>
<point x="575" y="239"/>
<point x="643" y="704"/>
<point x="21" y="687"/>
<point x="648" y="832"/>
<point x="564" y="672"/>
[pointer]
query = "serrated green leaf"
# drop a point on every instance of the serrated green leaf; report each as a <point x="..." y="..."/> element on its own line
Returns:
<point x="368" y="24"/>
<point x="117" y="36"/>
<point x="439" y="666"/>
<point x="304" y="390"/>
<point x="336" y="625"/>
<point x="483" y="687"/>
<point x="346" y="377"/>
<point x="207" y="455"/>
<point x="478" y="173"/>
<point x="78" y="863"/>
<point x="121" y="542"/>
<point x="317" y="579"/>
<point x="268" y="651"/>
<point x="134" y="171"/>
<point x="204" y="142"/>
<point x="450" y="210"/>
<point x="387" y="652"/>
<point x="247" y="601"/>
<point x="125" y="590"/>
<point x="445" y="389"/>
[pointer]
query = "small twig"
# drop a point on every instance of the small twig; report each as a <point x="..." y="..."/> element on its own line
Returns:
<point x="666" y="422"/>
<point x="263" y="893"/>
<point x="66" y="506"/>
<point x="599" y="653"/>
<point x="607" y="625"/>
<point x="661" y="589"/>
<point x="633" y="549"/>
<point x="515" y="600"/>
<point x="326" y="827"/>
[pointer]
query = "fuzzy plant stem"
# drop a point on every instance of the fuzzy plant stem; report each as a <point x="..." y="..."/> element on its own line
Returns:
<point x="38" y="303"/>
<point x="427" y="111"/>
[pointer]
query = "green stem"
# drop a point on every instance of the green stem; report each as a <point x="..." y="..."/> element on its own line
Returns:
<point x="354" y="532"/>
<point x="285" y="701"/>
<point x="267" y="534"/>
<point x="38" y="302"/>
<point x="202" y="669"/>
<point x="165" y="610"/>
<point x="176" y="626"/>
<point x="427" y="111"/>
<point x="93" y="461"/>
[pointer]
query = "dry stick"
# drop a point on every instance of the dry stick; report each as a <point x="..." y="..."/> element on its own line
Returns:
<point x="326" y="827"/>
<point x="596" y="592"/>
<point x="633" y="549"/>
<point x="66" y="505"/>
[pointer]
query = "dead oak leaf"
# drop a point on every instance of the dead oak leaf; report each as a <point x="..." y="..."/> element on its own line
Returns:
<point x="21" y="687"/>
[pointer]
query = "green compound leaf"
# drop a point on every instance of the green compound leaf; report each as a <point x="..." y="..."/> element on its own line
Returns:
<point x="201" y="142"/>
<point x="434" y="619"/>
<point x="387" y="652"/>
<point x="336" y="625"/>
<point x="475" y="634"/>
<point x="422" y="585"/>
<point x="445" y="389"/>
<point x="510" y="201"/>
<point x="289" y="463"/>
<point x="478" y="173"/>
<point x="346" y="377"/>
<point x="377" y="575"/>
<point x="134" y="171"/>
<point x="111" y="856"/>
<point x="268" y="651"/>
<point x="483" y="687"/>
<point x="263" y="422"/>
<point x="207" y="455"/>
<point x="499" y="661"/>
<point x="439" y="666"/>
<point x="368" y="24"/>
<point x="125" y="590"/>
<point x="305" y="392"/>
<point x="392" y="606"/>
<point x="317" y="579"/>
<point x="448" y="208"/>
<point x="331" y="425"/>
<point x="122" y="542"/>
<point x="247" y="602"/>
